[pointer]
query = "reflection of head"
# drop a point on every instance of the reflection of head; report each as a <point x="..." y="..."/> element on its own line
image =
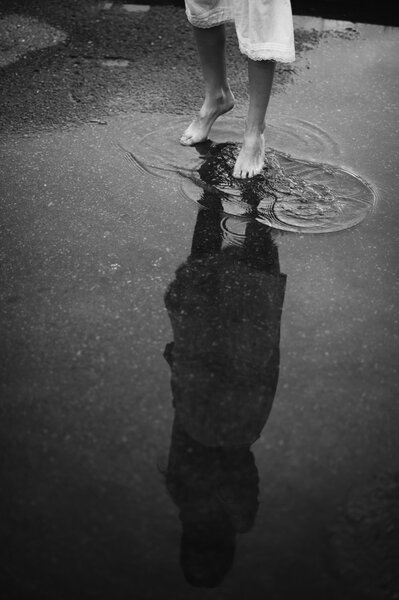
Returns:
<point x="207" y="553"/>
<point x="216" y="490"/>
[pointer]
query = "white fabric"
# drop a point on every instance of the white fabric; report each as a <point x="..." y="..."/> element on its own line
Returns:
<point x="264" y="27"/>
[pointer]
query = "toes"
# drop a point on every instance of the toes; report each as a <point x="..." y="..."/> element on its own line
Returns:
<point x="184" y="138"/>
<point x="237" y="172"/>
<point x="187" y="140"/>
<point x="245" y="173"/>
<point x="190" y="139"/>
<point x="258" y="170"/>
<point x="240" y="174"/>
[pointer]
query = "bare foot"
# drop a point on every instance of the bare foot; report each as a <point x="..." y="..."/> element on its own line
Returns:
<point x="212" y="108"/>
<point x="251" y="158"/>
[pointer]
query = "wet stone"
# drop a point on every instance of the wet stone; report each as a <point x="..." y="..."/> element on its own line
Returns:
<point x="135" y="8"/>
<point x="114" y="62"/>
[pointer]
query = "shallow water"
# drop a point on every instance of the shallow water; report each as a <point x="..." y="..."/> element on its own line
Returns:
<point x="290" y="193"/>
<point x="192" y="397"/>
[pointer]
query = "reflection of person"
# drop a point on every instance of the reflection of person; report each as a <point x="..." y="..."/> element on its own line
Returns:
<point x="216" y="490"/>
<point x="225" y="308"/>
<point x="265" y="35"/>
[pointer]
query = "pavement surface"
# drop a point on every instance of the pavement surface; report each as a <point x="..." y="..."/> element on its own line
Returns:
<point x="77" y="60"/>
<point x="143" y="453"/>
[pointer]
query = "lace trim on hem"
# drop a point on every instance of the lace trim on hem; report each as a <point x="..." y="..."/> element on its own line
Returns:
<point x="267" y="52"/>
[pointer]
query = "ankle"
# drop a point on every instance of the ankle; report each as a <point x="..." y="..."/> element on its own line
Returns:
<point x="218" y="94"/>
<point x="254" y="129"/>
<point x="253" y="137"/>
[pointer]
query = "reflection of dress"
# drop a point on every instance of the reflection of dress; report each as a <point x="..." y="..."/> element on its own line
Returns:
<point x="225" y="308"/>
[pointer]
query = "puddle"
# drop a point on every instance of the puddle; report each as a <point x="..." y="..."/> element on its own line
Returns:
<point x="291" y="193"/>
<point x="142" y="327"/>
<point x="364" y="546"/>
<point x="216" y="492"/>
<point x="159" y="150"/>
<point x="225" y="307"/>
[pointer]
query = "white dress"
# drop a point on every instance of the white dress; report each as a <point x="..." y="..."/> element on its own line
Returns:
<point x="264" y="27"/>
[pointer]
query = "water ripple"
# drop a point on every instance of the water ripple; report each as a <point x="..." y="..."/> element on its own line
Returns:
<point x="292" y="194"/>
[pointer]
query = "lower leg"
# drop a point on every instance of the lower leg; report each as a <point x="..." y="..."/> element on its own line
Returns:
<point x="218" y="97"/>
<point x="251" y="158"/>
<point x="211" y="45"/>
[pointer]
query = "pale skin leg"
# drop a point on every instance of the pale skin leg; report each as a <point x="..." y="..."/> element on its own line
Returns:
<point x="219" y="99"/>
<point x="218" y="96"/>
<point x="251" y="158"/>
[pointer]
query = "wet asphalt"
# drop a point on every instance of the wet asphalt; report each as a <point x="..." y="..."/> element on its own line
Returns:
<point x="193" y="404"/>
<point x="107" y="62"/>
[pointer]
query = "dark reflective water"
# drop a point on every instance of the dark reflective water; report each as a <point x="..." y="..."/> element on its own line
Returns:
<point x="290" y="193"/>
<point x="159" y="149"/>
<point x="225" y="308"/>
<point x="114" y="484"/>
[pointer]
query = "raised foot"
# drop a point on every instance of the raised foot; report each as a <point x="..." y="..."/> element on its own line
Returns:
<point x="251" y="158"/>
<point x="199" y="129"/>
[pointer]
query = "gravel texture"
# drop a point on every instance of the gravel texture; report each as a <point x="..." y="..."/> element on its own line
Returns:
<point x="107" y="62"/>
<point x="20" y="35"/>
